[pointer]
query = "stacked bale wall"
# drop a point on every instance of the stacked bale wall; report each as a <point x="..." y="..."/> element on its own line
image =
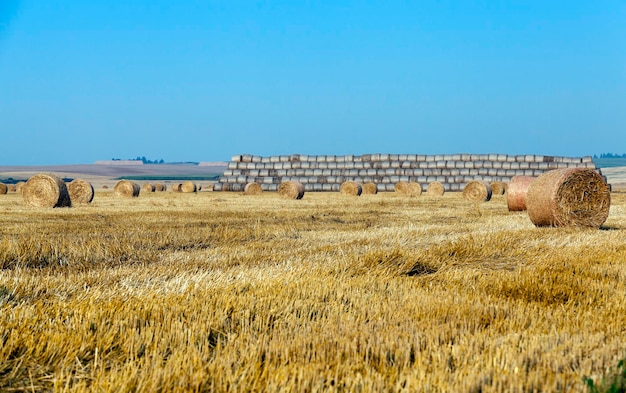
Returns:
<point x="327" y="173"/>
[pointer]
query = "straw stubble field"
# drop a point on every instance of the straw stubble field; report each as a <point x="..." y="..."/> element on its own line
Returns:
<point x="225" y="292"/>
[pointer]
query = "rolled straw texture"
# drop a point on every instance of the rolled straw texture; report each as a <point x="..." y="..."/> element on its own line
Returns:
<point x="351" y="188"/>
<point x="498" y="188"/>
<point x="160" y="187"/>
<point x="176" y="187"/>
<point x="148" y="187"/>
<point x="3" y="189"/>
<point x="11" y="187"/>
<point x="81" y="191"/>
<point x="517" y="192"/>
<point x="370" y="189"/>
<point x="188" y="186"/>
<point x="126" y="189"/>
<point x="477" y="191"/>
<point x="401" y="187"/>
<point x="414" y="189"/>
<point x="435" y="189"/>
<point x="19" y="185"/>
<point x="291" y="190"/>
<point x="46" y="190"/>
<point x="252" y="188"/>
<point x="577" y="197"/>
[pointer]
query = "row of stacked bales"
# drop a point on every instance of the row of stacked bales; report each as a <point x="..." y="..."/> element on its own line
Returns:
<point x="327" y="173"/>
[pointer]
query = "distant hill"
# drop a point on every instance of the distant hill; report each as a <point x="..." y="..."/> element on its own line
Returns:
<point x="609" y="162"/>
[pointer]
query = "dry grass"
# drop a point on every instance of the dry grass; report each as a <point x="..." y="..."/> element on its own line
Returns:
<point x="225" y="293"/>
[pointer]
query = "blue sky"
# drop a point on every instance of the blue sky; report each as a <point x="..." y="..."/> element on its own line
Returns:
<point x="203" y="80"/>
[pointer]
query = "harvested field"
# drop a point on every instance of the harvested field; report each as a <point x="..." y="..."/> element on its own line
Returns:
<point x="219" y="292"/>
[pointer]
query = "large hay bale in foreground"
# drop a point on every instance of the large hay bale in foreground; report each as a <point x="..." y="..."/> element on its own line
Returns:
<point x="252" y="188"/>
<point x="46" y="190"/>
<point x="148" y="187"/>
<point x="498" y="187"/>
<point x="517" y="192"/>
<point x="188" y="186"/>
<point x="435" y="189"/>
<point x="401" y="187"/>
<point x="291" y="190"/>
<point x="477" y="191"/>
<point x="126" y="189"/>
<point x="414" y="189"/>
<point x="351" y="187"/>
<point x="81" y="191"/>
<point x="370" y="189"/>
<point x="577" y="197"/>
<point x="3" y="189"/>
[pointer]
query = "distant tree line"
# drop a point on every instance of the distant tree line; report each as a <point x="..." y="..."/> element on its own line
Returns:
<point x="610" y="155"/>
<point x="142" y="159"/>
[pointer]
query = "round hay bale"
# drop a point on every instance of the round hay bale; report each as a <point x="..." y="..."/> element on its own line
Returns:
<point x="351" y="188"/>
<point x="401" y="187"/>
<point x="517" y="192"/>
<point x="81" y="191"/>
<point x="46" y="190"/>
<point x="160" y="187"/>
<point x="252" y="188"/>
<point x="148" y="187"/>
<point x="188" y="186"/>
<point x="498" y="188"/>
<point x="291" y="190"/>
<point x="105" y="187"/>
<point x="370" y="189"/>
<point x="414" y="189"/>
<point x="19" y="185"/>
<point x="577" y="197"/>
<point x="126" y="189"/>
<point x="3" y="189"/>
<point x="11" y="188"/>
<point x="477" y="191"/>
<point x="177" y="187"/>
<point x="435" y="188"/>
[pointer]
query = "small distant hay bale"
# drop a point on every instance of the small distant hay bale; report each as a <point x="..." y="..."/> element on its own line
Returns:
<point x="188" y="186"/>
<point x="105" y="187"/>
<point x="46" y="190"/>
<point x="148" y="187"/>
<point x="370" y="189"/>
<point x="435" y="188"/>
<point x="11" y="188"/>
<point x="351" y="188"/>
<point x="477" y="191"/>
<point x="291" y="190"/>
<point x="575" y="197"/>
<point x="3" y="189"/>
<point x="81" y="191"/>
<point x="252" y="188"/>
<point x="176" y="187"/>
<point x="498" y="187"/>
<point x="414" y="189"/>
<point x="517" y="192"/>
<point x="401" y="187"/>
<point x="126" y="189"/>
<point x="160" y="187"/>
<point x="19" y="185"/>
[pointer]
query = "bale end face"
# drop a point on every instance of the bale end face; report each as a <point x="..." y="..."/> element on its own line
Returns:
<point x="291" y="190"/>
<point x="370" y="189"/>
<point x="46" y="190"/>
<point x="477" y="191"/>
<point x="435" y="189"/>
<point x="126" y="189"/>
<point x="253" y="188"/>
<point x="569" y="197"/>
<point x="351" y="188"/>
<point x="81" y="191"/>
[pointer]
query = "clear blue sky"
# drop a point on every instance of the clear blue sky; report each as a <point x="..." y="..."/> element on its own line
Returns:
<point x="203" y="80"/>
